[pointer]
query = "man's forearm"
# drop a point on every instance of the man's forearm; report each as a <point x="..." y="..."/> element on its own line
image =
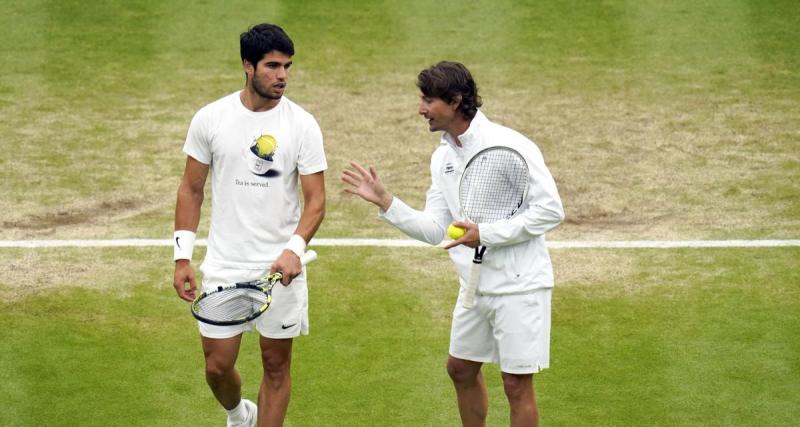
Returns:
<point x="187" y="210"/>
<point x="310" y="220"/>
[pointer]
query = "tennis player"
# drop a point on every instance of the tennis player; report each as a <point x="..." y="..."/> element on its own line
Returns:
<point x="257" y="144"/>
<point x="510" y="323"/>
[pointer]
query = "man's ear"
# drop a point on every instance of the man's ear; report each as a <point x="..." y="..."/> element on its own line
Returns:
<point x="248" y="67"/>
<point x="456" y="101"/>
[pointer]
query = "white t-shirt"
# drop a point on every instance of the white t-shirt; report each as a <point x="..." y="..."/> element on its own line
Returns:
<point x="255" y="204"/>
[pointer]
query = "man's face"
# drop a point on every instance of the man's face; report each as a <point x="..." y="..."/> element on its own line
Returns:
<point x="440" y="115"/>
<point x="269" y="78"/>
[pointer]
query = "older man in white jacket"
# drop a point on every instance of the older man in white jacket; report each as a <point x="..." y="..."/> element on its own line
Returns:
<point x="510" y="323"/>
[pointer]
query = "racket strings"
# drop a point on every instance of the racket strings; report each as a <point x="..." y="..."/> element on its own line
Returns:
<point x="493" y="186"/>
<point x="233" y="304"/>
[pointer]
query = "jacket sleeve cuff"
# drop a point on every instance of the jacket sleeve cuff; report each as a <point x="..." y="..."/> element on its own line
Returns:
<point x="392" y="212"/>
<point x="488" y="233"/>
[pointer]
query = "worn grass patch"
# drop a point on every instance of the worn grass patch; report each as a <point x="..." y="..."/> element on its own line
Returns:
<point x="654" y="125"/>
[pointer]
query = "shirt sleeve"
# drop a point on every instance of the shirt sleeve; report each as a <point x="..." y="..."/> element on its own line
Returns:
<point x="544" y="209"/>
<point x="198" y="138"/>
<point x="311" y="157"/>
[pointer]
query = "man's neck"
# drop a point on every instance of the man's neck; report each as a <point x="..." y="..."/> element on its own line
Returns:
<point x="255" y="102"/>
<point x="457" y="128"/>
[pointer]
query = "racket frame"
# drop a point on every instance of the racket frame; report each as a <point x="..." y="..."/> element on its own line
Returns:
<point x="263" y="284"/>
<point x="471" y="289"/>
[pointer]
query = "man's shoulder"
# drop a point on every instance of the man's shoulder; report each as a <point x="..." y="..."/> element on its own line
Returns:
<point x="295" y="109"/>
<point x="501" y="129"/>
<point x="298" y="118"/>
<point x="505" y="133"/>
<point x="218" y="106"/>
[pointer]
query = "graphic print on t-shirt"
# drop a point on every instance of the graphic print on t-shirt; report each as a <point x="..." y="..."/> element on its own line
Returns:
<point x="259" y="155"/>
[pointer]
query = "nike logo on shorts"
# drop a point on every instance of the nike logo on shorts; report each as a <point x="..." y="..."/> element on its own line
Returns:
<point x="283" y="326"/>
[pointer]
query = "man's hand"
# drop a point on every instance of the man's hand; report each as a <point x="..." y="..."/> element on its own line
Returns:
<point x="367" y="185"/>
<point x="471" y="237"/>
<point x="184" y="274"/>
<point x="289" y="265"/>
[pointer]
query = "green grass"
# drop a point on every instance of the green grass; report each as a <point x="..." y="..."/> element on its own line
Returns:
<point x="659" y="120"/>
<point x="683" y="337"/>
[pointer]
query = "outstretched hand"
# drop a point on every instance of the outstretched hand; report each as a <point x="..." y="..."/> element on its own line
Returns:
<point x="367" y="185"/>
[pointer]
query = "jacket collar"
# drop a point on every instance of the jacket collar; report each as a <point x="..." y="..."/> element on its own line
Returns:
<point x="470" y="138"/>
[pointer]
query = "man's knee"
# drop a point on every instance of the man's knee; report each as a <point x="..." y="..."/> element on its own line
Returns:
<point x="218" y="367"/>
<point x="462" y="371"/>
<point x="277" y="365"/>
<point x="518" y="386"/>
<point x="220" y="356"/>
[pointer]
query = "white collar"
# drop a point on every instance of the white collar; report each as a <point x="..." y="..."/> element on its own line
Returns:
<point x="469" y="139"/>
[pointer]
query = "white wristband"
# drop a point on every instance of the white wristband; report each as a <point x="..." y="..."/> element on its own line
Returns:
<point x="183" y="244"/>
<point x="297" y="245"/>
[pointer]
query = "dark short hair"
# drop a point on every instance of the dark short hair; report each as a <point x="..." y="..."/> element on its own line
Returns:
<point x="263" y="39"/>
<point x="447" y="80"/>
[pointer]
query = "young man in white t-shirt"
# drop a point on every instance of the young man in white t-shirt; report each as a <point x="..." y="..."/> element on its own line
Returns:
<point x="257" y="144"/>
<point x="510" y="322"/>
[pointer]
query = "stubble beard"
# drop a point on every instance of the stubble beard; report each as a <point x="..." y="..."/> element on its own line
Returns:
<point x="264" y="92"/>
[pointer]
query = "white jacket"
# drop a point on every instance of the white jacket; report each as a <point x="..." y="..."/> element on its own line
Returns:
<point x="516" y="259"/>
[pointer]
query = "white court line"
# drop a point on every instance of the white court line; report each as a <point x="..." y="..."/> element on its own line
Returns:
<point x="562" y="244"/>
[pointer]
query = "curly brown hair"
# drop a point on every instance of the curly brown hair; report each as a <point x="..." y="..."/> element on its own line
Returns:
<point x="448" y="80"/>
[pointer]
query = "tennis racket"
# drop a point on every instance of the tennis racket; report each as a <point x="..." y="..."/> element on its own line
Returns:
<point x="493" y="187"/>
<point x="239" y="303"/>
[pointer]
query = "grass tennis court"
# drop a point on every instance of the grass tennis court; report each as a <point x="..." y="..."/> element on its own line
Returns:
<point x="659" y="120"/>
<point x="679" y="337"/>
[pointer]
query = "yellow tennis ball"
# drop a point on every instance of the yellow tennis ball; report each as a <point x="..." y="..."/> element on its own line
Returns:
<point x="265" y="146"/>
<point x="455" y="232"/>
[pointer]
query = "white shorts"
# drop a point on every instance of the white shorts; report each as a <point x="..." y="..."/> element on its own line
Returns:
<point x="286" y="317"/>
<point x="512" y="330"/>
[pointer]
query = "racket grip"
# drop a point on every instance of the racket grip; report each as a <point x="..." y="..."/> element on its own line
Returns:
<point x="468" y="301"/>
<point x="308" y="257"/>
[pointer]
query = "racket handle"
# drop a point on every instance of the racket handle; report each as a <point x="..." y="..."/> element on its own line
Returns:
<point x="305" y="259"/>
<point x="472" y="286"/>
<point x="308" y="257"/>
